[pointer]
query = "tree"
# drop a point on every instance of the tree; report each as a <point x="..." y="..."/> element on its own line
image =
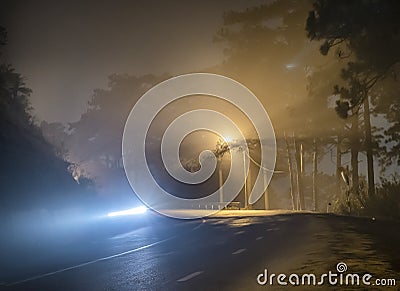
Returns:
<point x="268" y="51"/>
<point x="385" y="100"/>
<point x="367" y="33"/>
<point x="32" y="174"/>
<point x="93" y="143"/>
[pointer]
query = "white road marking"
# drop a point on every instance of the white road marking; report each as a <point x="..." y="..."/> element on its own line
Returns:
<point x="190" y="276"/>
<point x="239" y="251"/>
<point x="259" y="238"/>
<point x="88" y="263"/>
<point x="198" y="226"/>
<point x="222" y="221"/>
<point x="272" y="229"/>
<point x="240" y="232"/>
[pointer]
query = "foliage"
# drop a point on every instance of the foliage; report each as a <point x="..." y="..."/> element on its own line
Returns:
<point x="93" y="144"/>
<point x="266" y="48"/>
<point x="384" y="204"/>
<point x="365" y="34"/>
<point x="32" y="174"/>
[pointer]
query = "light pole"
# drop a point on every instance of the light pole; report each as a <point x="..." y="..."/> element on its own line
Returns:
<point x="221" y="148"/>
<point x="221" y="194"/>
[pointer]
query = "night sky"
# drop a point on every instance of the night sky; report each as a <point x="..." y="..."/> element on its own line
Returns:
<point x="67" y="49"/>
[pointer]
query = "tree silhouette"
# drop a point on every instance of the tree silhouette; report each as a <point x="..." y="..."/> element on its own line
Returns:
<point x="366" y="33"/>
<point x="32" y="173"/>
<point x="268" y="50"/>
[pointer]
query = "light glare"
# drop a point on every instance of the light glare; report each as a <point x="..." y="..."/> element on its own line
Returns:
<point x="228" y="139"/>
<point x="132" y="211"/>
<point x="291" y="66"/>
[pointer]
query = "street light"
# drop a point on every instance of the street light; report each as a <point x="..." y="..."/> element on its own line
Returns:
<point x="224" y="146"/>
<point x="221" y="148"/>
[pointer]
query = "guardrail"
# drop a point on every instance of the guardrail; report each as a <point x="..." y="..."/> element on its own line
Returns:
<point x="218" y="205"/>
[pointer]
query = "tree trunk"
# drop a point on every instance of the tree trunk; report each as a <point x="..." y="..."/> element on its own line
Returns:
<point x="368" y="146"/>
<point x="299" y="157"/>
<point x="290" y="169"/>
<point x="355" y="143"/>
<point x="246" y="200"/>
<point x="338" y="165"/>
<point x="266" y="194"/>
<point x="314" y="180"/>
<point x="249" y="186"/>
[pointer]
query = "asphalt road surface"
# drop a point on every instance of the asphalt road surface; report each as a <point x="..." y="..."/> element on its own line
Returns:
<point x="210" y="254"/>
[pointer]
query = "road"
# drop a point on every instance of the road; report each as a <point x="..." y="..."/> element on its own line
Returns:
<point x="212" y="254"/>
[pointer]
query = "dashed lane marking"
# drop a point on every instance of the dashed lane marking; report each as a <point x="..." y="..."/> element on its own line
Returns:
<point x="190" y="276"/>
<point x="239" y="251"/>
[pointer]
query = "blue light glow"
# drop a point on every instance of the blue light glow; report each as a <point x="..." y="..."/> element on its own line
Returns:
<point x="132" y="211"/>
